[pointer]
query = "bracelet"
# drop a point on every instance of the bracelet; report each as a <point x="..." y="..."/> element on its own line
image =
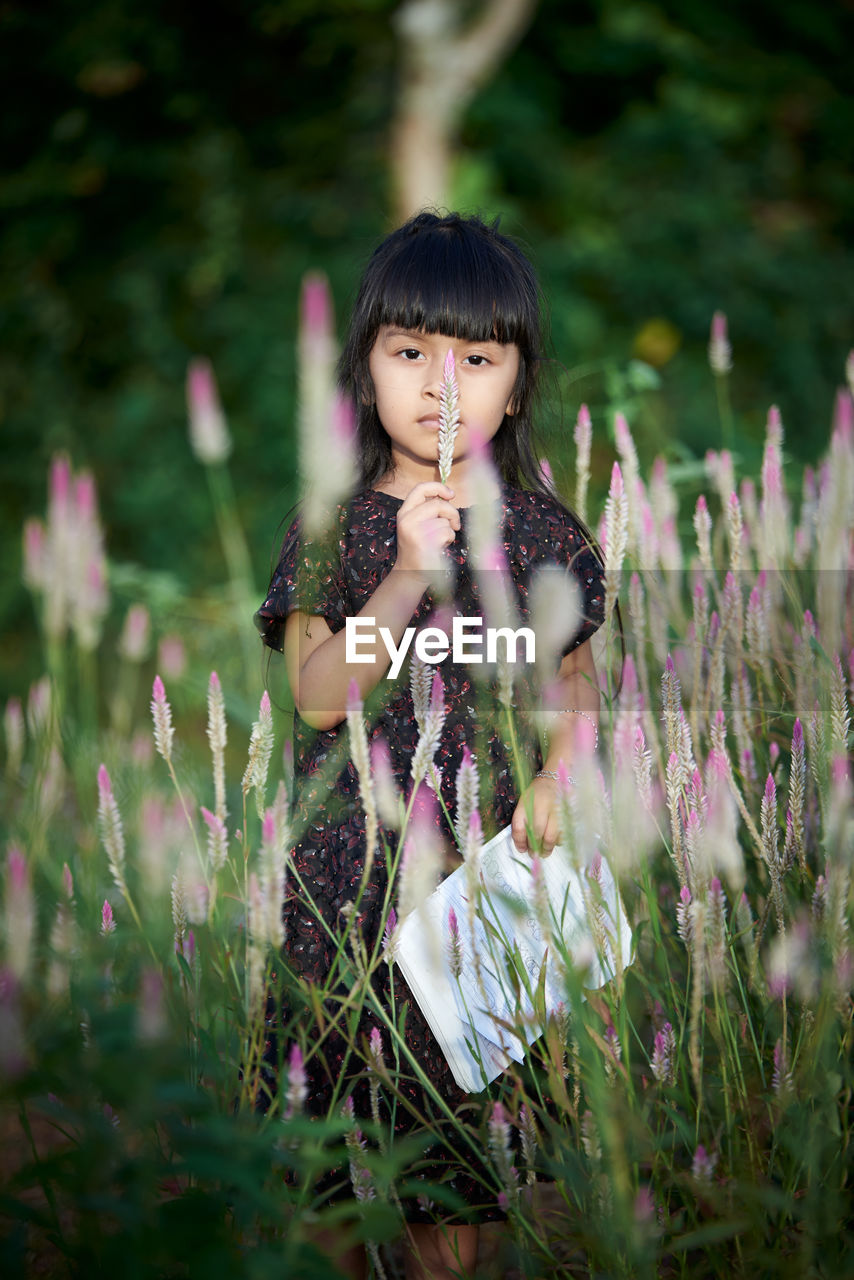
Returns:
<point x="574" y="711"/>
<point x="548" y="773"/>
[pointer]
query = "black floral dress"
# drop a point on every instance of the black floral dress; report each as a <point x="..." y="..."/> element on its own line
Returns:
<point x="328" y="859"/>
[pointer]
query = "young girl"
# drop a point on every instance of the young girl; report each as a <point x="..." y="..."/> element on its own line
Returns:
<point x="435" y="283"/>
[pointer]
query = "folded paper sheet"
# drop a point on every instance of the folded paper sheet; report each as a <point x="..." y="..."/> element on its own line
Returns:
<point x="493" y="1009"/>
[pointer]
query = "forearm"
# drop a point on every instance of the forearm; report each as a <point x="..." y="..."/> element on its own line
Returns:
<point x="324" y="674"/>
<point x="571" y="715"/>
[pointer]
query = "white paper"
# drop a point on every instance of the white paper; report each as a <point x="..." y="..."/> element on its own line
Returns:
<point x="465" y="1013"/>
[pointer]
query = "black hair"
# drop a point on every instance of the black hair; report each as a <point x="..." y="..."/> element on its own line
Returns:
<point x="458" y="276"/>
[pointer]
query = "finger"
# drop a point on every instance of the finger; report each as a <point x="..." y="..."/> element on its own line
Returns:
<point x="549" y="836"/>
<point x="425" y="490"/>
<point x="432" y="508"/>
<point x="518" y="828"/>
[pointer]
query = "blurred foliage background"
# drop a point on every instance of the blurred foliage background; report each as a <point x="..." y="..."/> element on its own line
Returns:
<point x="171" y="170"/>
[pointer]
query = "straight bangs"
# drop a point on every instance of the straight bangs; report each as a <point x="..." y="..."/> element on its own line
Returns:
<point x="447" y="280"/>
<point x="460" y="277"/>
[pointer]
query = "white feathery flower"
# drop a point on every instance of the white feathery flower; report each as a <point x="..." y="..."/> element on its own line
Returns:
<point x="112" y="834"/>
<point x="431" y="733"/>
<point x="161" y="713"/>
<point x="217" y="737"/>
<point x="260" y="750"/>
<point x="449" y="417"/>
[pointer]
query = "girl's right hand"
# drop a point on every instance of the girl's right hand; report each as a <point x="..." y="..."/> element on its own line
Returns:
<point x="427" y="522"/>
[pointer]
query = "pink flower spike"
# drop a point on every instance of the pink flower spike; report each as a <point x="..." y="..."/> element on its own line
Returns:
<point x="770" y="792"/>
<point x="478" y="444"/>
<point x="343" y="421"/>
<point x="17" y="870"/>
<point x="67" y="882"/>
<point x="798" y="736"/>
<point x="209" y="436"/>
<point x="201" y="390"/>
<point x="354" y="698"/>
<point x="84" y="495"/>
<point x="35" y="544"/>
<point x="105" y="789"/>
<point x="213" y="683"/>
<point x="616" y="481"/>
<point x="450" y="367"/>
<point x="621" y="432"/>
<point x="316" y="305"/>
<point x="774" y="425"/>
<point x="60" y="479"/>
<point x="161" y="714"/>
<point x="720" y="351"/>
<point x="108" y="924"/>
<point x="843" y="418"/>
<point x="437" y="693"/>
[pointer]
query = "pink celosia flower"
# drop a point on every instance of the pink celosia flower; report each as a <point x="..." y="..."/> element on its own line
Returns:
<point x="455" y="945"/>
<point x="704" y="1164"/>
<point x="260" y="750"/>
<point x="172" y="656"/>
<point x="720" y="351"/>
<point x="161" y="714"/>
<point x="501" y="1151"/>
<point x="449" y="417"/>
<point x="108" y="924"/>
<point x="110" y="823"/>
<point x="467" y="793"/>
<point x="19" y="914"/>
<point x="217" y="839"/>
<point x="663" y="1060"/>
<point x="135" y="636"/>
<point x="217" y="732"/>
<point x="297" y="1089"/>
<point x="389" y="937"/>
<point x="209" y="435"/>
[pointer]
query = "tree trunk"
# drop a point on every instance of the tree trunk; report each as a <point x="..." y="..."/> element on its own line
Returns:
<point x="441" y="68"/>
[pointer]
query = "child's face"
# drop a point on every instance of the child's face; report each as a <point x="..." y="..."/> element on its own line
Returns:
<point x="406" y="368"/>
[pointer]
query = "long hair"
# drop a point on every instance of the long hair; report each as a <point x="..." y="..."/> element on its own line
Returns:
<point x="460" y="277"/>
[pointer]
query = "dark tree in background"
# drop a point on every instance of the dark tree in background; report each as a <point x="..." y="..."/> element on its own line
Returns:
<point x="171" y="170"/>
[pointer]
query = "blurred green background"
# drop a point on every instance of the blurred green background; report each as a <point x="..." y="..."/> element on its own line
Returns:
<point x="172" y="169"/>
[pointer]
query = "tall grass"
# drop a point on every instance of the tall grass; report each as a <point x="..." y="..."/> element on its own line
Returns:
<point x="691" y="1118"/>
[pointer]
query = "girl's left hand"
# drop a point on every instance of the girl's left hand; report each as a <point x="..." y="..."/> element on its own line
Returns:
<point x="541" y="799"/>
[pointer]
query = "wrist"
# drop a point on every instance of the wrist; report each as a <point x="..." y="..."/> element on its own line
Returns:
<point x="564" y="779"/>
<point x="407" y="580"/>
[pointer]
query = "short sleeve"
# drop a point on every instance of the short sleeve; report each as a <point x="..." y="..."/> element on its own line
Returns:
<point x="566" y="544"/>
<point x="586" y="568"/>
<point x="309" y="577"/>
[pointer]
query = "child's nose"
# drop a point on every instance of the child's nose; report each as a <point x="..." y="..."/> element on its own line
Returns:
<point x="433" y="379"/>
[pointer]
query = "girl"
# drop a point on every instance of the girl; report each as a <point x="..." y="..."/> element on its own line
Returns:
<point x="435" y="283"/>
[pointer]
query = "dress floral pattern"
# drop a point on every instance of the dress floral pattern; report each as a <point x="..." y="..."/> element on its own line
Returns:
<point x="328" y="859"/>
